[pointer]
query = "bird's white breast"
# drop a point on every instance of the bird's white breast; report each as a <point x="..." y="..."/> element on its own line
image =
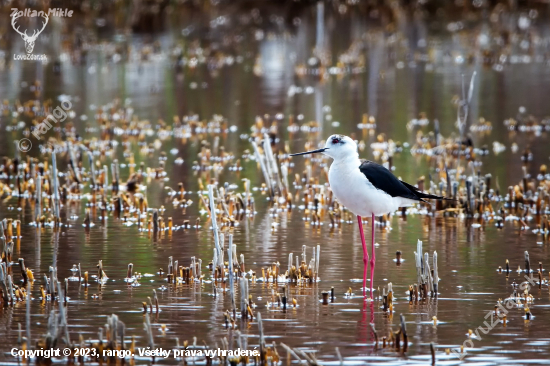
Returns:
<point x="356" y="192"/>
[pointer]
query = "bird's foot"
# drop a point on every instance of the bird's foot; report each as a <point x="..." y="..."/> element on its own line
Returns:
<point x="368" y="296"/>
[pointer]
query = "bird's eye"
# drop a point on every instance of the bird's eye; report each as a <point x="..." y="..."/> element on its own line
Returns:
<point x="335" y="140"/>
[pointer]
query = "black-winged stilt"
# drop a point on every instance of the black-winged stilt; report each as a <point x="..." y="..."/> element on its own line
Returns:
<point x="366" y="189"/>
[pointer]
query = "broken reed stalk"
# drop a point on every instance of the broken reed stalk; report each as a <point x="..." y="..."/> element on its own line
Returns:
<point x="72" y="163"/>
<point x="418" y="259"/>
<point x="272" y="164"/>
<point x="105" y="171"/>
<point x="38" y="200"/>
<point x="244" y="297"/>
<point x="92" y="172"/>
<point x="149" y="330"/>
<point x="130" y="272"/>
<point x="464" y="105"/>
<point x="3" y="283"/>
<point x="155" y="222"/>
<point x="150" y="304"/>
<point x="527" y="263"/>
<point x="263" y="166"/>
<point x="214" y="261"/>
<point x="387" y="298"/>
<point x="65" y="299"/>
<point x="428" y="273"/>
<point x="100" y="273"/>
<point x="470" y="197"/>
<point x="199" y="270"/>
<point x="426" y="282"/>
<point x="436" y="275"/>
<point x="291" y="352"/>
<point x="311" y="268"/>
<point x="398" y="257"/>
<point x="55" y="183"/>
<point x="375" y="335"/>
<point x="62" y="315"/>
<point x="10" y="292"/>
<point x="23" y="271"/>
<point x="170" y="273"/>
<point x="214" y="226"/>
<point x="290" y="262"/>
<point x="111" y="331"/>
<point x="339" y="356"/>
<point x="317" y="260"/>
<point x="53" y="283"/>
<point x="115" y="172"/>
<point x="9" y="228"/>
<point x="404" y="333"/>
<point x="234" y="255"/>
<point x="28" y="313"/>
<point x="221" y="257"/>
<point x="262" y="340"/>
<point x="156" y="299"/>
<point x="230" y="275"/>
<point x="284" y="180"/>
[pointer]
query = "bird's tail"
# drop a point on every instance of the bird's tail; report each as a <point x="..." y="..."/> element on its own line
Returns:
<point x="432" y="196"/>
<point x="421" y="195"/>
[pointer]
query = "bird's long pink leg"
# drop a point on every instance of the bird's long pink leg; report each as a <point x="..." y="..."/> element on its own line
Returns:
<point x="372" y="260"/>
<point x="365" y="253"/>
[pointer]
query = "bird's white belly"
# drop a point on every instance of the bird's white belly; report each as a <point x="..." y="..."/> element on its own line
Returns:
<point x="357" y="194"/>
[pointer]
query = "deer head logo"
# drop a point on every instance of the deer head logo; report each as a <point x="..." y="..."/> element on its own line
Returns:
<point x="29" y="40"/>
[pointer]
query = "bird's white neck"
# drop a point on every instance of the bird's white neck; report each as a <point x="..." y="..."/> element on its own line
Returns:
<point x="351" y="161"/>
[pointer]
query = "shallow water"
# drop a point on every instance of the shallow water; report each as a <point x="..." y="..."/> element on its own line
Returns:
<point x="394" y="93"/>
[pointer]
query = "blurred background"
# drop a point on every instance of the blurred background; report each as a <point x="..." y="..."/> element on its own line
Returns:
<point x="374" y="70"/>
<point x="331" y="62"/>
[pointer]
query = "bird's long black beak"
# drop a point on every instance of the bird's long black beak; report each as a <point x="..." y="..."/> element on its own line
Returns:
<point x="311" y="152"/>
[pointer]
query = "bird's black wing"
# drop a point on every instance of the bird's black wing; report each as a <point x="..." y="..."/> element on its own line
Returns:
<point x="381" y="178"/>
<point x="421" y="194"/>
